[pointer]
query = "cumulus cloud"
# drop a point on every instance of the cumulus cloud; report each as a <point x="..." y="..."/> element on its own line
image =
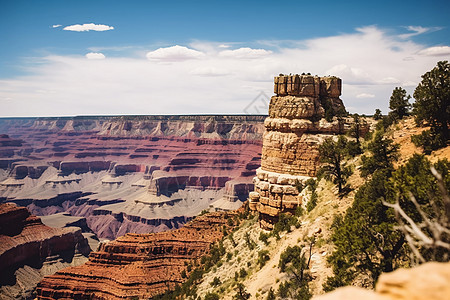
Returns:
<point x="88" y="27"/>
<point x="364" y="96"/>
<point x="56" y="26"/>
<point x="435" y="51"/>
<point x="245" y="53"/>
<point x="370" y="61"/>
<point x="95" y="55"/>
<point x="174" y="53"/>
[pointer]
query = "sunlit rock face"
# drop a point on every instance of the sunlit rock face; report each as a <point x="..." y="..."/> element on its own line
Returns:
<point x="29" y="250"/>
<point x="295" y="128"/>
<point x="138" y="265"/>
<point x="129" y="174"/>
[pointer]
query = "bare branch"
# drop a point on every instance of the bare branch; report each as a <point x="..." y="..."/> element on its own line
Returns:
<point x="432" y="233"/>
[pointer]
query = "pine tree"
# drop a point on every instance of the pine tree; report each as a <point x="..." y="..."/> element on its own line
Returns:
<point x="399" y="103"/>
<point x="432" y="106"/>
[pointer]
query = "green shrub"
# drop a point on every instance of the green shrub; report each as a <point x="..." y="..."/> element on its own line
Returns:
<point x="263" y="257"/>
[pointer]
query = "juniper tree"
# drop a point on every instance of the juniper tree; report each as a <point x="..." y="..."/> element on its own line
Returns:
<point x="383" y="152"/>
<point x="432" y="106"/>
<point x="332" y="157"/>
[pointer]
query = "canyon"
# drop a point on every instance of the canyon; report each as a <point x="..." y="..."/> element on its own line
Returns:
<point x="131" y="173"/>
<point x="110" y="176"/>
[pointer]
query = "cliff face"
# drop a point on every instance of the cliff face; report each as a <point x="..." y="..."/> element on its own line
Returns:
<point x="132" y="173"/>
<point x="293" y="132"/>
<point x="26" y="242"/>
<point x="137" y="265"/>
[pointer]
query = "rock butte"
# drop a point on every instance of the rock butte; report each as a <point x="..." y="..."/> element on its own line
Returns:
<point x="294" y="130"/>
<point x="137" y="265"/>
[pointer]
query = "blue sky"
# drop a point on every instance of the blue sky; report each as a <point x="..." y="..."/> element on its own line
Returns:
<point x="184" y="57"/>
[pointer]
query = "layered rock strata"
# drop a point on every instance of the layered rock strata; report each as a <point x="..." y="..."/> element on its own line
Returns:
<point x="125" y="174"/>
<point x="27" y="243"/>
<point x="137" y="265"/>
<point x="293" y="132"/>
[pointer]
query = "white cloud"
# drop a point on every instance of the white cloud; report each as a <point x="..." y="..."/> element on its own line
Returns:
<point x="364" y="95"/>
<point x="56" y="26"/>
<point x="351" y="74"/>
<point x="417" y="30"/>
<point x="174" y="53"/>
<point x="245" y="53"/>
<point x="435" y="51"/>
<point x="370" y="61"/>
<point x="95" y="55"/>
<point x="389" y="80"/>
<point x="209" y="71"/>
<point x="409" y="84"/>
<point x="88" y="27"/>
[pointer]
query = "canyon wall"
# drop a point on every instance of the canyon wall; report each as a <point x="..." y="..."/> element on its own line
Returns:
<point x="130" y="173"/>
<point x="294" y="129"/>
<point x="138" y="265"/>
<point x="29" y="250"/>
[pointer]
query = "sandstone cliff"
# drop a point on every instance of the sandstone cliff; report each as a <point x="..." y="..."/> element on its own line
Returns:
<point x="137" y="265"/>
<point x="27" y="244"/>
<point x="294" y="130"/>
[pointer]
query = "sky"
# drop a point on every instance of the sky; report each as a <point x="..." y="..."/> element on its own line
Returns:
<point x="136" y="57"/>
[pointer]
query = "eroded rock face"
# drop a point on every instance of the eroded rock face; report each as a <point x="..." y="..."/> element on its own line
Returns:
<point x="27" y="243"/>
<point x="137" y="265"/>
<point x="293" y="132"/>
<point x="135" y="174"/>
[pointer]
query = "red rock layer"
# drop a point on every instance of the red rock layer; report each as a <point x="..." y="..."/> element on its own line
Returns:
<point x="136" y="265"/>
<point x="25" y="240"/>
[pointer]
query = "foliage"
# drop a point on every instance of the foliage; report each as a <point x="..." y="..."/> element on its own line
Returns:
<point x="212" y="296"/>
<point x="312" y="202"/>
<point x="367" y="240"/>
<point x="383" y="152"/>
<point x="332" y="156"/>
<point x="241" y="292"/>
<point x="216" y="281"/>
<point x="355" y="131"/>
<point x="429" y="140"/>
<point x="312" y="186"/>
<point x="264" y="237"/>
<point x="299" y="185"/>
<point x="263" y="257"/>
<point x="432" y="105"/>
<point x="294" y="263"/>
<point x="242" y="273"/>
<point x="399" y="103"/>
<point x="285" y="222"/>
<point x="271" y="294"/>
<point x="384" y="122"/>
<point x="377" y="115"/>
<point x="248" y="240"/>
